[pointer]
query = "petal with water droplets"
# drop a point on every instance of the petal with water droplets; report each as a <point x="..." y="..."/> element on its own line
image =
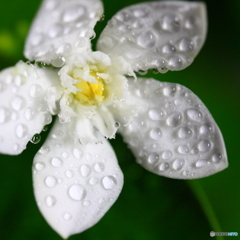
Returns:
<point x="27" y="99"/>
<point x="62" y="28"/>
<point x="75" y="184"/>
<point x="156" y="35"/>
<point x="170" y="131"/>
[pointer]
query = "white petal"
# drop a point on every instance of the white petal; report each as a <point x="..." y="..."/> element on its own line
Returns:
<point x="27" y="99"/>
<point x="170" y="131"/>
<point x="156" y="35"/>
<point x="74" y="184"/>
<point x="62" y="28"/>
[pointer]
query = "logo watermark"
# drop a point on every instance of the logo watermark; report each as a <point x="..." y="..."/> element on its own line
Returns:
<point x="227" y="234"/>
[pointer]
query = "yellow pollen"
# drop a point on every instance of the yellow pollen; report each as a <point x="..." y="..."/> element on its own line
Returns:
<point x="91" y="93"/>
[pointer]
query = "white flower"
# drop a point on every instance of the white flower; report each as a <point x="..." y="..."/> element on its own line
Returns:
<point x="76" y="174"/>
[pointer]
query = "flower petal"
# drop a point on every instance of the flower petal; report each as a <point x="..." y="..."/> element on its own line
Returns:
<point x="74" y="184"/>
<point x="156" y="35"/>
<point x="62" y="28"/>
<point x="27" y="99"/>
<point x="170" y="131"/>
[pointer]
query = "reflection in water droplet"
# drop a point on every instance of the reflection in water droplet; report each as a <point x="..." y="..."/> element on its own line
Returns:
<point x="77" y="192"/>
<point x="109" y="182"/>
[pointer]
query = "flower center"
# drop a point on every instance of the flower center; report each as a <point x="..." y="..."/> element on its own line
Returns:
<point x="90" y="92"/>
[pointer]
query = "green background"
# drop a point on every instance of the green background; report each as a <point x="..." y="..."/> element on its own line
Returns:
<point x="150" y="207"/>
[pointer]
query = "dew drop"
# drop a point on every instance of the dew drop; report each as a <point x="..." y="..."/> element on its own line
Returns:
<point x="183" y="149"/>
<point x="50" y="201"/>
<point x="56" y="162"/>
<point x="169" y="91"/>
<point x="186" y="45"/>
<point x="35" y="91"/>
<point x="178" y="164"/>
<point x="44" y="150"/>
<point x="21" y="131"/>
<point x="77" y="192"/>
<point x="101" y="201"/>
<point x="201" y="163"/>
<point x="16" y="147"/>
<point x="86" y="203"/>
<point x="156" y="133"/>
<point x="174" y="119"/>
<point x="156" y="114"/>
<point x="17" y="103"/>
<point x="109" y="182"/>
<point x="184" y="132"/>
<point x="195" y="115"/>
<point x="39" y="166"/>
<point x="205" y="129"/>
<point x="166" y="155"/>
<point x="30" y="113"/>
<point x="204" y="145"/>
<point x="50" y="181"/>
<point x="85" y="170"/>
<point x="147" y="39"/>
<point x="46" y="118"/>
<point x="65" y="155"/>
<point x="73" y="13"/>
<point x="171" y="23"/>
<point x="67" y="216"/>
<point x="217" y="157"/>
<point x="78" y="154"/>
<point x="93" y="181"/>
<point x="98" y="167"/>
<point x="58" y="62"/>
<point x="168" y="49"/>
<point x="36" y="139"/>
<point x="175" y="63"/>
<point x="57" y="134"/>
<point x="69" y="173"/>
<point x="185" y="173"/>
<point x="163" y="166"/>
<point x="153" y="158"/>
<point x="4" y="115"/>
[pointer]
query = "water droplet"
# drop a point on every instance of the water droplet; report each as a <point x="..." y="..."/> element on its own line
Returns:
<point x="185" y="173"/>
<point x="117" y="125"/>
<point x="204" y="145"/>
<point x="171" y="23"/>
<point x="195" y="115"/>
<point x="156" y="114"/>
<point x="206" y="129"/>
<point x="174" y="119"/>
<point x="86" y="203"/>
<point x="156" y="133"/>
<point x="65" y="155"/>
<point x="178" y="164"/>
<point x="201" y="163"/>
<point x="5" y="115"/>
<point x="73" y="13"/>
<point x="186" y="45"/>
<point x="170" y="90"/>
<point x="35" y="91"/>
<point x="77" y="192"/>
<point x="217" y="157"/>
<point x="50" y="181"/>
<point x="16" y="147"/>
<point x="93" y="181"/>
<point x="99" y="167"/>
<point x="183" y="149"/>
<point x="153" y="158"/>
<point x="67" y="216"/>
<point x="163" y="166"/>
<point x="147" y="39"/>
<point x="166" y="155"/>
<point x="78" y="154"/>
<point x="39" y="166"/>
<point x="101" y="201"/>
<point x="58" y="62"/>
<point x="36" y="139"/>
<point x="56" y="162"/>
<point x="45" y="128"/>
<point x="46" y="118"/>
<point x="85" y="170"/>
<point x="55" y="31"/>
<point x="109" y="182"/>
<point x="168" y="50"/>
<point x="57" y="134"/>
<point x="17" y="103"/>
<point x="44" y="149"/>
<point x="69" y="173"/>
<point x="21" y="130"/>
<point x="184" y="132"/>
<point x="175" y="63"/>
<point x="30" y="113"/>
<point x="50" y="201"/>
<point x="140" y="12"/>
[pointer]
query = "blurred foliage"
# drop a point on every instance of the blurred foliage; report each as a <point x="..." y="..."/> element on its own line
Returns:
<point x="150" y="207"/>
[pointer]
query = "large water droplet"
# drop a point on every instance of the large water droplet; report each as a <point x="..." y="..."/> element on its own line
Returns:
<point x="35" y="91"/>
<point x="166" y="155"/>
<point x="73" y="13"/>
<point x="56" y="162"/>
<point x="50" y="181"/>
<point x="78" y="154"/>
<point x="156" y="114"/>
<point x="77" y="192"/>
<point x="195" y="115"/>
<point x="50" y="201"/>
<point x="21" y="131"/>
<point x="153" y="158"/>
<point x="163" y="166"/>
<point x="204" y="145"/>
<point x="109" y="182"/>
<point x="17" y="103"/>
<point x="156" y="133"/>
<point x="85" y="170"/>
<point x="147" y="39"/>
<point x="184" y="132"/>
<point x="5" y="115"/>
<point x="178" y="164"/>
<point x="98" y="167"/>
<point x="174" y="119"/>
<point x="58" y="62"/>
